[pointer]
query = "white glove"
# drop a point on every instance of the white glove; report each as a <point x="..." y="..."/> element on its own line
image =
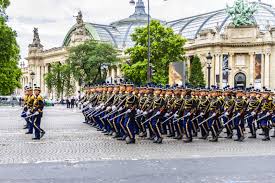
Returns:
<point x="151" y="110"/>
<point x="128" y="111"/>
<point x="268" y="114"/>
<point x="176" y="115"/>
<point x="36" y="113"/>
<point x="226" y="114"/>
<point x="188" y="114"/>
<point x="120" y="109"/>
<point x="238" y="114"/>
<point x="253" y="113"/>
<point x="102" y="107"/>
<point x="214" y="114"/>
<point x="138" y="111"/>
<point x="166" y="115"/>
<point x="158" y="113"/>
<point x="202" y="114"/>
<point x="114" y="108"/>
<point x="28" y="113"/>
<point x="141" y="111"/>
<point x="145" y="113"/>
<point x="108" y="108"/>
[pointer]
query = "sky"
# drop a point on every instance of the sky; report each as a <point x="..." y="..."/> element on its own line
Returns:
<point x="54" y="18"/>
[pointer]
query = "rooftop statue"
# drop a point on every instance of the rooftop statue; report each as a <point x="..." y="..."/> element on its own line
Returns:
<point x="79" y="18"/>
<point x="36" y="39"/>
<point x="242" y="13"/>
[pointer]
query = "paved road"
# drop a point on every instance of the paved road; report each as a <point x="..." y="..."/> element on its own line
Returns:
<point x="75" y="151"/>
<point x="202" y="170"/>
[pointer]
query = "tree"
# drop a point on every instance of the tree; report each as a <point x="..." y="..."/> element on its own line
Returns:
<point x="9" y="56"/>
<point x="59" y="79"/>
<point x="196" y="78"/>
<point x="166" y="47"/>
<point x="87" y="60"/>
<point x="4" y="4"/>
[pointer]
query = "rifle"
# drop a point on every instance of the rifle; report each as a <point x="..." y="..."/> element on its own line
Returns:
<point x="169" y="117"/>
<point x="231" y="120"/>
<point x="112" y="112"/>
<point x="207" y="119"/>
<point x="118" y="116"/>
<point x="181" y="118"/>
<point x="149" y="118"/>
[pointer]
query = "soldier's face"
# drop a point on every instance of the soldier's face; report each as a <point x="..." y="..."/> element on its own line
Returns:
<point x="122" y="88"/>
<point x="36" y="92"/>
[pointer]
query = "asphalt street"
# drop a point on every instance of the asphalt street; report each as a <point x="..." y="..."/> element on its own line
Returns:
<point x="199" y="170"/>
<point x="75" y="152"/>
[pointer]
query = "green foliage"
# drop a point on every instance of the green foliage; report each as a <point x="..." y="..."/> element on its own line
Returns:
<point x="4" y="4"/>
<point x="196" y="75"/>
<point x="9" y="56"/>
<point x="88" y="60"/>
<point x="59" y="79"/>
<point x="166" y="47"/>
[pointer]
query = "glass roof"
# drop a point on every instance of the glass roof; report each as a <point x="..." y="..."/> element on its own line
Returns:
<point x="119" y="33"/>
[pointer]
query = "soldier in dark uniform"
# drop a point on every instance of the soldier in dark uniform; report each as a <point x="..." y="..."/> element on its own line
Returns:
<point x="203" y="110"/>
<point x="119" y="106"/>
<point x="146" y="110"/>
<point x="188" y="112"/>
<point x="265" y="114"/>
<point x="214" y="113"/>
<point x="228" y="107"/>
<point x="253" y="107"/>
<point x="158" y="113"/>
<point x="128" y="124"/>
<point x="37" y="111"/>
<point x="239" y="113"/>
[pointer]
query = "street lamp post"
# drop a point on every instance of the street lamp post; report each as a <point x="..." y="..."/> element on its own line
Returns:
<point x="32" y="74"/>
<point x="149" y="65"/>
<point x="209" y="60"/>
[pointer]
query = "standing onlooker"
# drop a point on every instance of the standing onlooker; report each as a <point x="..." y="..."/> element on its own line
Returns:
<point x="68" y="103"/>
<point x="72" y="102"/>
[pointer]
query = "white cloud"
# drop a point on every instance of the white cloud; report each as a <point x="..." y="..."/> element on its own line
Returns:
<point x="55" y="17"/>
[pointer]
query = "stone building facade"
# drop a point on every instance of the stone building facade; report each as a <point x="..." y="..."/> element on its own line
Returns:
<point x="242" y="56"/>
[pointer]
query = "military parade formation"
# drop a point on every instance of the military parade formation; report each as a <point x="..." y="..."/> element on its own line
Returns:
<point x="33" y="112"/>
<point x="124" y="111"/>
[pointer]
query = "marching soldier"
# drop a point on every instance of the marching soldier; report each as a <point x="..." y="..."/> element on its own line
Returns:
<point x="254" y="105"/>
<point x="229" y="104"/>
<point x="214" y="113"/>
<point x="239" y="113"/>
<point x="265" y="114"/>
<point x="189" y="107"/>
<point x="37" y="111"/>
<point x="203" y="112"/>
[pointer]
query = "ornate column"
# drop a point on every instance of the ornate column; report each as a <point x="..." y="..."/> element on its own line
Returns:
<point x="267" y="70"/>
<point x="42" y="80"/>
<point x="46" y="91"/>
<point x="119" y="71"/>
<point x="112" y="74"/>
<point x="230" y="65"/>
<point x="217" y="68"/>
<point x="221" y="71"/>
<point x="251" y="68"/>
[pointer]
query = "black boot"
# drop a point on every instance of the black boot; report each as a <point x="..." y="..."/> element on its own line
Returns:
<point x="188" y="140"/>
<point x="214" y="139"/>
<point x="267" y="138"/>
